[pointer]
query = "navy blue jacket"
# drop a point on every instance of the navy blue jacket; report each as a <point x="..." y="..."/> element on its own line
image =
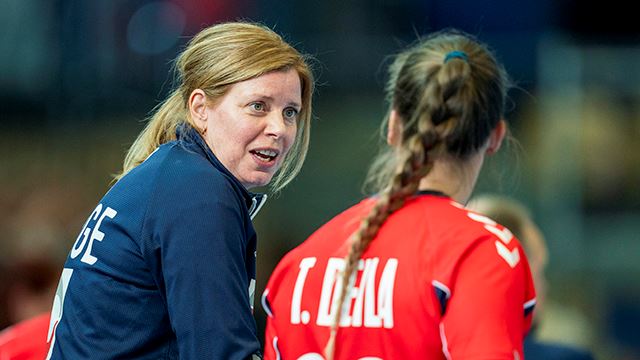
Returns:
<point x="164" y="267"/>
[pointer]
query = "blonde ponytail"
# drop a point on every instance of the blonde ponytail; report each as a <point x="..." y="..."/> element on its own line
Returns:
<point x="160" y="129"/>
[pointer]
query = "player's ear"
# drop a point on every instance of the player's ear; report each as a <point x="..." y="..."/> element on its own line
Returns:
<point x="198" y="109"/>
<point x="496" y="137"/>
<point x="394" y="128"/>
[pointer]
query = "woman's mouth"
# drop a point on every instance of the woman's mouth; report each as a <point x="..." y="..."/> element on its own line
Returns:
<point x="265" y="155"/>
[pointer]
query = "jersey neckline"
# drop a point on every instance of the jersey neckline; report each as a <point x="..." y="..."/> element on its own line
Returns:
<point x="432" y="192"/>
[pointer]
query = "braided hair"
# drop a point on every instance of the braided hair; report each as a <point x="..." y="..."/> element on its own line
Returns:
<point x="450" y="92"/>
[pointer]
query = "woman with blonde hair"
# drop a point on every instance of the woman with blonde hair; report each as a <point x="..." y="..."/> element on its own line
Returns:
<point x="410" y="273"/>
<point x="164" y="267"/>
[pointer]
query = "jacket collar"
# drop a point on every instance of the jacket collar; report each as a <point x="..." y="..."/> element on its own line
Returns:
<point x="192" y="140"/>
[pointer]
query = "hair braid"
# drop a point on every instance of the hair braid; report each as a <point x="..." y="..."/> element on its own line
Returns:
<point x="414" y="164"/>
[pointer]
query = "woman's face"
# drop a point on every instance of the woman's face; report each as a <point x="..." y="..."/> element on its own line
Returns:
<point x="252" y="127"/>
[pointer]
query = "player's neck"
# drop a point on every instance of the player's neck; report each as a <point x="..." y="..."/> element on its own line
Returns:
<point x="451" y="178"/>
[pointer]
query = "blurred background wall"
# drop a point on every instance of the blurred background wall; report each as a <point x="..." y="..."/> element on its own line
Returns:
<point x="77" y="79"/>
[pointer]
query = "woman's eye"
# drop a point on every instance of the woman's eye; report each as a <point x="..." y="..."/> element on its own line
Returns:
<point x="290" y="113"/>
<point x="257" y="106"/>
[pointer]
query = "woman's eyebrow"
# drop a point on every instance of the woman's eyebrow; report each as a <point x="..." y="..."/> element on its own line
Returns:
<point x="272" y="99"/>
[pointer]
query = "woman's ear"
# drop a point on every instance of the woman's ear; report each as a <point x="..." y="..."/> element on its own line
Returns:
<point x="394" y="129"/>
<point x="198" y="109"/>
<point x="496" y="137"/>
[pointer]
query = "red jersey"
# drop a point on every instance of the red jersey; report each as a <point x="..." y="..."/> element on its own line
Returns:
<point x="437" y="282"/>
<point x="26" y="340"/>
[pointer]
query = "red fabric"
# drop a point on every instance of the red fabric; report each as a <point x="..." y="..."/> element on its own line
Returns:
<point x="26" y="340"/>
<point x="395" y="313"/>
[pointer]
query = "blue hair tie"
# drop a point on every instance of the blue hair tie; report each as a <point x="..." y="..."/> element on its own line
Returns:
<point x="456" y="54"/>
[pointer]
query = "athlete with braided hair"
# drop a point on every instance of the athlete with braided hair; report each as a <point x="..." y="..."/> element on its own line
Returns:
<point x="415" y="274"/>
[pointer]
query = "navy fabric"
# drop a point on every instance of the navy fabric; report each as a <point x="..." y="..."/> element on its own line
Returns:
<point x="534" y="349"/>
<point x="443" y="298"/>
<point x="528" y="309"/>
<point x="175" y="268"/>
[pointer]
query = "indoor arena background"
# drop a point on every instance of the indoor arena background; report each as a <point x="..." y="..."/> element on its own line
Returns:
<point x="77" y="79"/>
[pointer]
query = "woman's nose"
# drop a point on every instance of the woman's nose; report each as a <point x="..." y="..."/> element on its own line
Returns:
<point x="275" y="124"/>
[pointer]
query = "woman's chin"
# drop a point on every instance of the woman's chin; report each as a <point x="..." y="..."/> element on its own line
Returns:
<point x="257" y="180"/>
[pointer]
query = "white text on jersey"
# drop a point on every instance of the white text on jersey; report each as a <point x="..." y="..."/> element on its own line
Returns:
<point x="96" y="234"/>
<point x="366" y="305"/>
